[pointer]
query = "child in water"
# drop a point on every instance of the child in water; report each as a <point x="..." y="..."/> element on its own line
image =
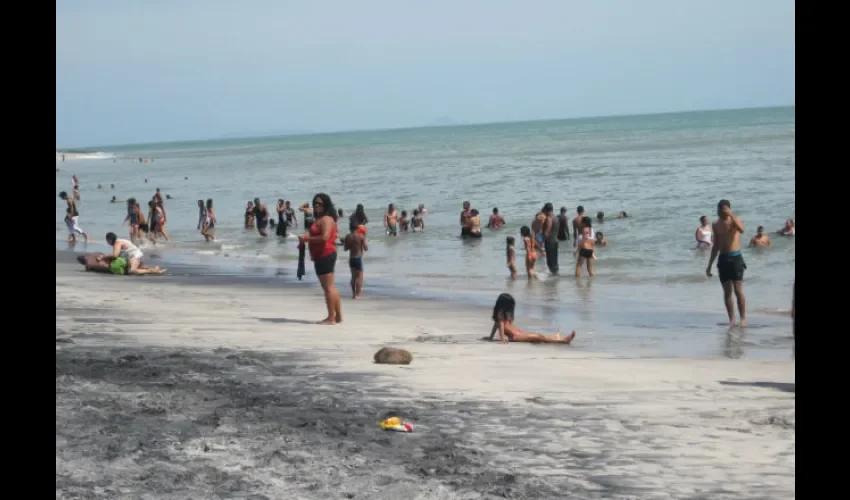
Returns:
<point x="417" y="222"/>
<point x="503" y="316"/>
<point x="511" y="256"/>
<point x="530" y="252"/>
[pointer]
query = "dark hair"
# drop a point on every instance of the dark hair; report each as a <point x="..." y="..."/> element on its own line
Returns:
<point x="624" y="214"/>
<point x="580" y="209"/>
<point x="209" y="203"/>
<point x="474" y="212"/>
<point x="600" y="215"/>
<point x="360" y="214"/>
<point x="599" y="234"/>
<point x="563" y="209"/>
<point x="415" y="212"/>
<point x="724" y="203"/>
<point x="495" y="210"/>
<point x="131" y="201"/>
<point x="76" y="186"/>
<point x="110" y="238"/>
<point x="791" y="221"/>
<point x="63" y="195"/>
<point x="525" y="231"/>
<point x="504" y="308"/>
<point x="280" y="200"/>
<point x="340" y="212"/>
<point x="548" y="208"/>
<point x="586" y="222"/>
<point x="328" y="207"/>
<point x="510" y="240"/>
<point x="200" y="203"/>
<point x="150" y="203"/>
<point x="404" y="213"/>
<point x="760" y="229"/>
<point x="157" y="189"/>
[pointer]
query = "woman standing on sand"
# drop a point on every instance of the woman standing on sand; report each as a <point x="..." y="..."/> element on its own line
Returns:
<point x="321" y="240"/>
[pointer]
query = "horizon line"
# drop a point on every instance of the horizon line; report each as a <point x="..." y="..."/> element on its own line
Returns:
<point x="418" y="127"/>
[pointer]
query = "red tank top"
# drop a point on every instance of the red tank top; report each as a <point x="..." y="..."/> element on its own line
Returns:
<point x="319" y="249"/>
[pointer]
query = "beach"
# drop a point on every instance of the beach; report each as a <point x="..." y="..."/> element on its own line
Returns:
<point x="193" y="386"/>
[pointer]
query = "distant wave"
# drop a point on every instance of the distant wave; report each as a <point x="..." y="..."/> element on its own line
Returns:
<point x="84" y="155"/>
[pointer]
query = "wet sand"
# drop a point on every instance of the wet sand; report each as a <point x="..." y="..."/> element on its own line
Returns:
<point x="168" y="388"/>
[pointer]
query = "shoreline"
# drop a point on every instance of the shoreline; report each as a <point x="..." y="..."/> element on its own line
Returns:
<point x="177" y="389"/>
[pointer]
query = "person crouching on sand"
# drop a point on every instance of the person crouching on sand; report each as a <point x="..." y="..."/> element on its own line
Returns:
<point x="355" y="244"/>
<point x="503" y="317"/>
<point x="130" y="253"/>
<point x="321" y="240"/>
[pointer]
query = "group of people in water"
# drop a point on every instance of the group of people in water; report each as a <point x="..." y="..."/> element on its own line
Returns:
<point x="542" y="236"/>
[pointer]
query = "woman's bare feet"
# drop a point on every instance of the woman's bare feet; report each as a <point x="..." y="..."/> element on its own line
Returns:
<point x="570" y="337"/>
<point x="326" y="321"/>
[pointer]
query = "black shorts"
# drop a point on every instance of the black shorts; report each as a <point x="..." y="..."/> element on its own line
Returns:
<point x="585" y="252"/>
<point x="325" y="265"/>
<point x="355" y="263"/>
<point x="144" y="228"/>
<point x="464" y="232"/>
<point x="262" y="224"/>
<point x="730" y="267"/>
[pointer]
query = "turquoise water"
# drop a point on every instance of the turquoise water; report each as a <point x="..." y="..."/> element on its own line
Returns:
<point x="650" y="295"/>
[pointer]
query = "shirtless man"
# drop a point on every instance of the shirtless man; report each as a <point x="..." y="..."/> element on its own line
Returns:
<point x="730" y="263"/>
<point x="577" y="224"/>
<point x="391" y="221"/>
<point x="760" y="239"/>
<point x="465" y="214"/>
<point x="355" y="244"/>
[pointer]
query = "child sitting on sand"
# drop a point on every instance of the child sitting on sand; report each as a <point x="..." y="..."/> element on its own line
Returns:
<point x="503" y="316"/>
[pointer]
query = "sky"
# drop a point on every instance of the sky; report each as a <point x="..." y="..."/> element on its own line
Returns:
<point x="169" y="70"/>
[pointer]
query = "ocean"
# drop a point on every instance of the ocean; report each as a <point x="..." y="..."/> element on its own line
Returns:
<point x="650" y="295"/>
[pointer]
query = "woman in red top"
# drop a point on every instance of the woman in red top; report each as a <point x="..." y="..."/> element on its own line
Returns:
<point x="321" y="240"/>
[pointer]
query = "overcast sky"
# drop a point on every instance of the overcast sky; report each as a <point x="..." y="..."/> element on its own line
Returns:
<point x="163" y="70"/>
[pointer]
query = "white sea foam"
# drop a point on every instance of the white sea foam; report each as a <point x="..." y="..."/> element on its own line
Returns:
<point x="96" y="155"/>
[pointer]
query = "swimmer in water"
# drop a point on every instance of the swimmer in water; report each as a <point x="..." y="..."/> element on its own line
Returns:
<point x="503" y="317"/>
<point x="422" y="209"/>
<point x="730" y="263"/>
<point x="760" y="239"/>
<point x="585" y="251"/>
<point x="355" y="244"/>
<point x="391" y="220"/>
<point x="788" y="230"/>
<point x="417" y="222"/>
<point x="530" y="252"/>
<point x="704" y="235"/>
<point x="510" y="255"/>
<point x="404" y="222"/>
<point x="600" y="216"/>
<point x="577" y="224"/>
<point x="622" y="215"/>
<point x="496" y="220"/>
<point x="601" y="240"/>
<point x="474" y="224"/>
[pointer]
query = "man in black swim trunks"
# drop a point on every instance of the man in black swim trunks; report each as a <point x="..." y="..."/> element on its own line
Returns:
<point x="730" y="263"/>
<point x="261" y="216"/>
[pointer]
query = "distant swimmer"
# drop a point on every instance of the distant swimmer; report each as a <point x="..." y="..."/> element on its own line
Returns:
<point x="114" y="199"/>
<point x="496" y="220"/>
<point x="422" y="209"/>
<point x="760" y="239"/>
<point x="704" y="234"/>
<point x="622" y="215"/>
<point x="577" y="224"/>
<point x="417" y="223"/>
<point x="72" y="219"/>
<point x="465" y="214"/>
<point x="730" y="262"/>
<point x="601" y="240"/>
<point x="788" y="229"/>
<point x="503" y="318"/>
<point x="130" y="253"/>
<point x="474" y="224"/>
<point x="600" y="216"/>
<point x="510" y="255"/>
<point x="391" y="220"/>
<point x="563" y="225"/>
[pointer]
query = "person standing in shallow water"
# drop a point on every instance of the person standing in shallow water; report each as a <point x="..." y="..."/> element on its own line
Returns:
<point x="730" y="262"/>
<point x="321" y="240"/>
<point x="563" y="225"/>
<point x="465" y="214"/>
<point x="550" y="238"/>
<point x="577" y="224"/>
<point x="703" y="234"/>
<point x="261" y="216"/>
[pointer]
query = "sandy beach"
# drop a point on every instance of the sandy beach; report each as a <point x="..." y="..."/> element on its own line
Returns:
<point x="174" y="388"/>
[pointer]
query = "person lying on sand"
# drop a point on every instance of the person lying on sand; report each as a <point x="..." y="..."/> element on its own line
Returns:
<point x="101" y="263"/>
<point x="503" y="315"/>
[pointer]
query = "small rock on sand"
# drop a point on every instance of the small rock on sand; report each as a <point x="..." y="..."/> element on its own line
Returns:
<point x="393" y="356"/>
